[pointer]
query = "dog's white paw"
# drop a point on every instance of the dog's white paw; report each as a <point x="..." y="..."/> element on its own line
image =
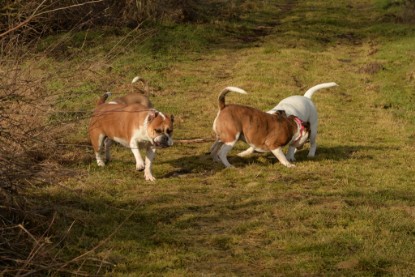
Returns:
<point x="290" y="165"/>
<point x="245" y="153"/>
<point x="101" y="163"/>
<point x="149" y="177"/>
<point x="139" y="167"/>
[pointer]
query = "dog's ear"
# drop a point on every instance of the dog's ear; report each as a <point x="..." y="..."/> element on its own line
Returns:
<point x="172" y="118"/>
<point x="152" y="114"/>
<point x="281" y="113"/>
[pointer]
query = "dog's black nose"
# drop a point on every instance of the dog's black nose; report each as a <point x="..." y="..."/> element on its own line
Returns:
<point x="164" y="141"/>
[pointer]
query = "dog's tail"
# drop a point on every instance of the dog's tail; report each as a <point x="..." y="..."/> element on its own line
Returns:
<point x="309" y="93"/>
<point x="136" y="89"/>
<point x="103" y="98"/>
<point x="221" y="98"/>
<point x="136" y="79"/>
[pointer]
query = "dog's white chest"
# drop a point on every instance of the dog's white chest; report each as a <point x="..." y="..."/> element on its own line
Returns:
<point x="140" y="135"/>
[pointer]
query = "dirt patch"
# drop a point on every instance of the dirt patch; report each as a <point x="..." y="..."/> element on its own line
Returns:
<point x="371" y="68"/>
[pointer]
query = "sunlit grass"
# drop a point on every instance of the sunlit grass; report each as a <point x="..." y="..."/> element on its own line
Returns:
<point x="348" y="211"/>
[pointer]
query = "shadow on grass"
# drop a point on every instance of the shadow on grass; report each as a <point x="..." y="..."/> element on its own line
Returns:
<point x="345" y="152"/>
<point x="203" y="164"/>
<point x="135" y="235"/>
<point x="154" y="224"/>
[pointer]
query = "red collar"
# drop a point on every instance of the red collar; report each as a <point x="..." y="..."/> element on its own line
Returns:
<point x="300" y="122"/>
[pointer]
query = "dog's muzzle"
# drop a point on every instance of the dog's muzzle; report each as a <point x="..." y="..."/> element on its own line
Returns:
<point x="163" y="141"/>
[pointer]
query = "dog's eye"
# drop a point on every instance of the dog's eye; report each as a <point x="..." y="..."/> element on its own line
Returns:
<point x="169" y="131"/>
<point x="158" y="131"/>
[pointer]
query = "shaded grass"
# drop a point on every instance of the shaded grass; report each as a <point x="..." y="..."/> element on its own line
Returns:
<point x="349" y="211"/>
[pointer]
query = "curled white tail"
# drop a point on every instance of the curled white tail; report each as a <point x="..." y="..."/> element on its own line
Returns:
<point x="309" y="93"/>
<point x="235" y="89"/>
<point x="136" y="79"/>
<point x="221" y="98"/>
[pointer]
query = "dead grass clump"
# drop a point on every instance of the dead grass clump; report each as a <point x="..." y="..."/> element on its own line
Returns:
<point x="371" y="68"/>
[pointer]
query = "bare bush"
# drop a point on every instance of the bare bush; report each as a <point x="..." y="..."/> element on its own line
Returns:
<point x="31" y="150"/>
<point x="23" y="157"/>
<point x="42" y="17"/>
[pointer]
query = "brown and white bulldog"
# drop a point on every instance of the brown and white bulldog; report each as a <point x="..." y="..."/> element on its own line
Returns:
<point x="132" y="126"/>
<point x="262" y="131"/>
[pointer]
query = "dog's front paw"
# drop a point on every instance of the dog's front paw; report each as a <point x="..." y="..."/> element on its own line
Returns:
<point x="291" y="159"/>
<point x="139" y="167"/>
<point x="290" y="165"/>
<point x="149" y="177"/>
<point x="101" y="163"/>
<point x="312" y="152"/>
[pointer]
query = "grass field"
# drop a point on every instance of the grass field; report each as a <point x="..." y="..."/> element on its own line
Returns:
<point x="350" y="211"/>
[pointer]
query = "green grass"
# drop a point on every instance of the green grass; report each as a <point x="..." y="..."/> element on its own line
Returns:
<point x="347" y="212"/>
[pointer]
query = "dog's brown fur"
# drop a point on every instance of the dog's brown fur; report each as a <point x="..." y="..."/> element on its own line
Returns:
<point x="136" y="94"/>
<point x="116" y="121"/>
<point x="264" y="131"/>
<point x="130" y="125"/>
<point x="134" y="98"/>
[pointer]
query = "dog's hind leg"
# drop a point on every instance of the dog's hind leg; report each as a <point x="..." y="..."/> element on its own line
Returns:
<point x="223" y="152"/>
<point x="107" y="145"/>
<point x="214" y="150"/>
<point x="97" y="144"/>
<point x="313" y="143"/>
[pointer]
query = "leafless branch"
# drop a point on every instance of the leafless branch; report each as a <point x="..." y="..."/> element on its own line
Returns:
<point x="35" y="14"/>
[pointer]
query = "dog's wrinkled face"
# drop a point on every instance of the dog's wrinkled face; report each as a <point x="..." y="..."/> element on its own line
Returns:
<point x="160" y="129"/>
<point x="303" y="136"/>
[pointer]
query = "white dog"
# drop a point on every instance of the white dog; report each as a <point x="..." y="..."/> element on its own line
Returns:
<point x="303" y="108"/>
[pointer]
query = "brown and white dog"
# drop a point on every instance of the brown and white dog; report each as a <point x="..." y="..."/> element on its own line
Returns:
<point x="262" y="131"/>
<point x="132" y="126"/>
<point x="303" y="108"/>
<point x="137" y="95"/>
